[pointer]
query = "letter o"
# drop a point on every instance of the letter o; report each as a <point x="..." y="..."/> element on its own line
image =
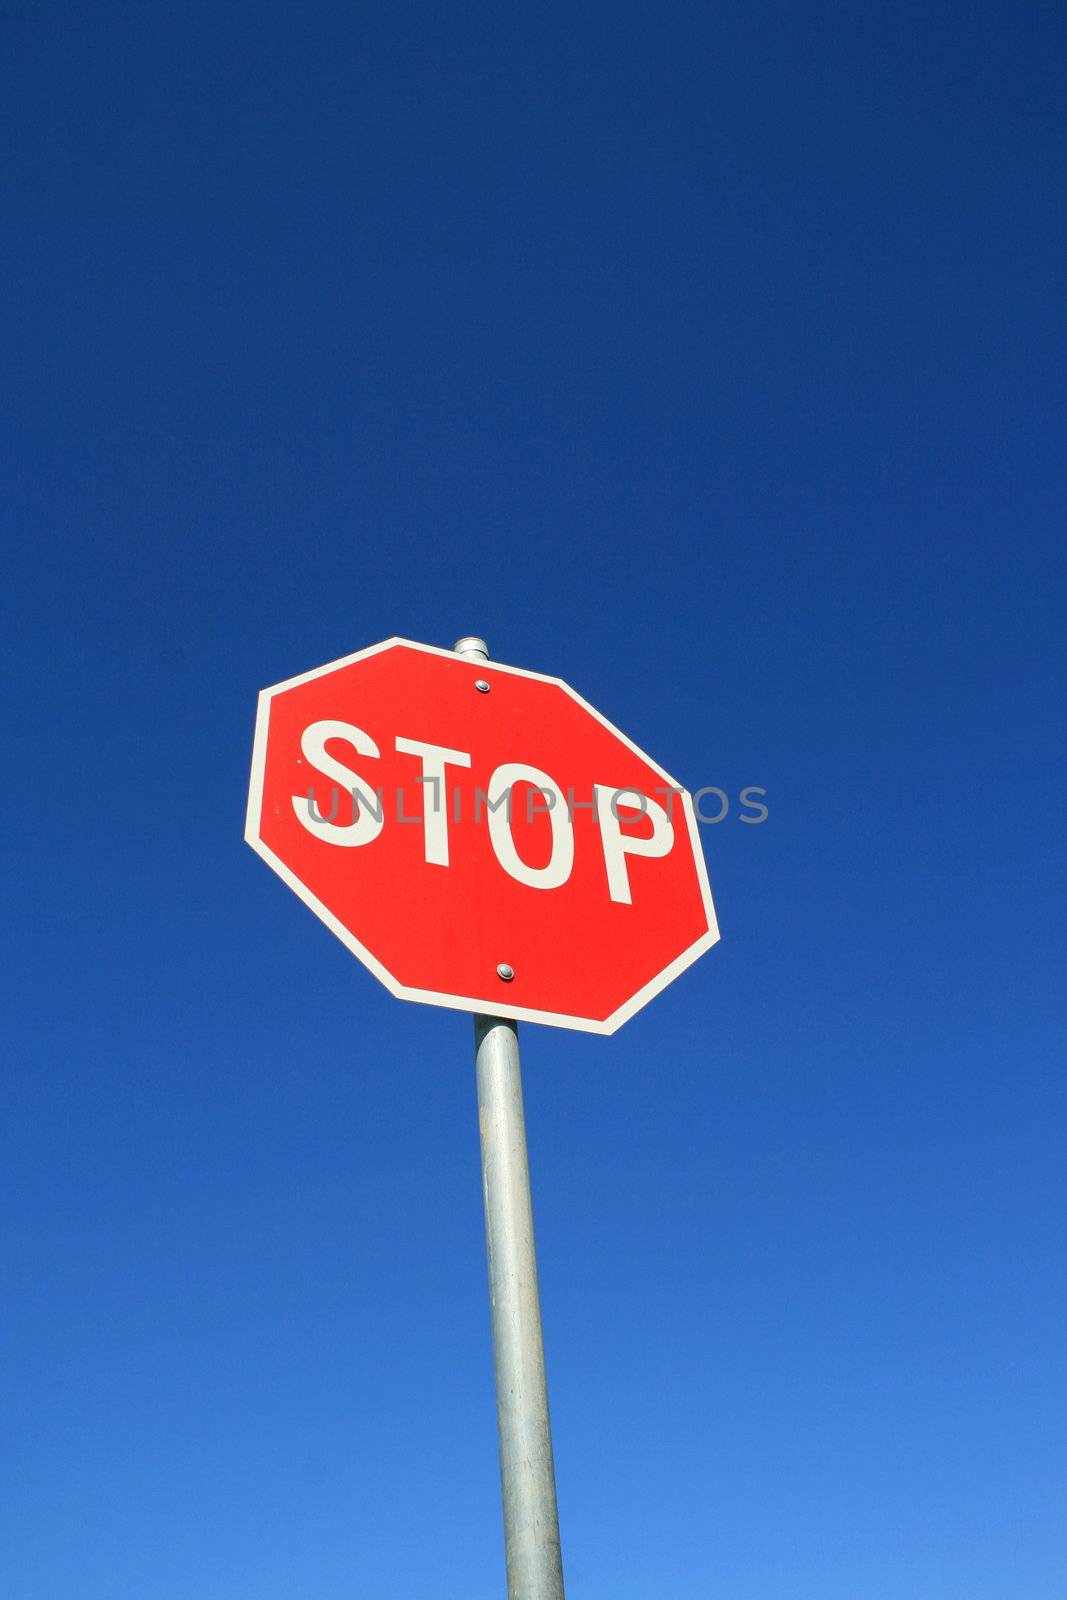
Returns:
<point x="560" y="862"/>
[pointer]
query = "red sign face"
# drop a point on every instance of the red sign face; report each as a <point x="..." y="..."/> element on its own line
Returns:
<point x="479" y="836"/>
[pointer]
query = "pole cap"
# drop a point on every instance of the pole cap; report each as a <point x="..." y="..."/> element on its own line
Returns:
<point x="472" y="647"/>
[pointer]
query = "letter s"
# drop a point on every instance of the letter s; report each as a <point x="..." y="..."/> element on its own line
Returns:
<point x="755" y="805"/>
<point x="366" y="821"/>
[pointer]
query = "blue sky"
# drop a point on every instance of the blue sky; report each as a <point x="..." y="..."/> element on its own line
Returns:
<point x="712" y="359"/>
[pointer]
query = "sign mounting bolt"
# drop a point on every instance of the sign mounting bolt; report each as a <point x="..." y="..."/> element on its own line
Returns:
<point x="481" y="686"/>
<point x="505" y="972"/>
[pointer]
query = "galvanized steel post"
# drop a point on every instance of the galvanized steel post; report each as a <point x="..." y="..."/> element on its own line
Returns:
<point x="527" y="1475"/>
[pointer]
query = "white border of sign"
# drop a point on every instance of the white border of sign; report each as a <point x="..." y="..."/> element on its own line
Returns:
<point x="463" y="1002"/>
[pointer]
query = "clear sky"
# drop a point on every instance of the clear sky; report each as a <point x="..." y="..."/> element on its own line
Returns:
<point x="710" y="357"/>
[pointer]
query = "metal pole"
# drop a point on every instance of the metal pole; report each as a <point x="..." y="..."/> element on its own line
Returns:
<point x="527" y="1476"/>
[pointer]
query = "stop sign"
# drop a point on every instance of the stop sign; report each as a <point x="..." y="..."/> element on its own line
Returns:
<point x="479" y="836"/>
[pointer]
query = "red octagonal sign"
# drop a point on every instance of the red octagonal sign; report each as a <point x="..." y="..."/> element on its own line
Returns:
<point x="479" y="836"/>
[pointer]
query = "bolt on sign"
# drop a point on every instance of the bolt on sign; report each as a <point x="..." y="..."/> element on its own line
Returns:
<point x="479" y="836"/>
